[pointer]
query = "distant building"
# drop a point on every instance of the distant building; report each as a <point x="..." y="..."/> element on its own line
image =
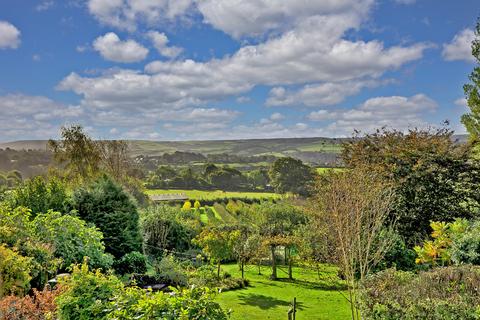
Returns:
<point x="168" y="197"/>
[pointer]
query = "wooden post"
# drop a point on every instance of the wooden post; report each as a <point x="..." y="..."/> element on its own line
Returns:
<point x="294" y="307"/>
<point x="293" y="310"/>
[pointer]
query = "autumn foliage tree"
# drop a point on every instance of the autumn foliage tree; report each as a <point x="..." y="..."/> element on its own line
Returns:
<point x="352" y="208"/>
<point x="217" y="244"/>
<point x="433" y="177"/>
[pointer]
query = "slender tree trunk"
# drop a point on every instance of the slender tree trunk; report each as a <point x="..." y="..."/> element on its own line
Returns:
<point x="243" y="268"/>
<point x="218" y="270"/>
<point x="290" y="272"/>
<point x="274" y="264"/>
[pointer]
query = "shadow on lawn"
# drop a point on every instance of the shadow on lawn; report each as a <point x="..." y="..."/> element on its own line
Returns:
<point x="262" y="301"/>
<point x="324" y="285"/>
<point x="265" y="302"/>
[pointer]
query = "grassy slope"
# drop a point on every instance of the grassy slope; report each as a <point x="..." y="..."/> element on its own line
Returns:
<point x="266" y="299"/>
<point x="207" y="195"/>
<point x="240" y="147"/>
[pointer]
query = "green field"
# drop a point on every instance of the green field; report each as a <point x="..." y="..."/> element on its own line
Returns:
<point x="209" y="195"/>
<point x="266" y="299"/>
<point x="323" y="170"/>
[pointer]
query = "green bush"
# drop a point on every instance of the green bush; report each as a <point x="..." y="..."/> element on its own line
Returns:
<point x="185" y="304"/>
<point x="399" y="256"/>
<point x="466" y="246"/>
<point x="206" y="276"/>
<point x="87" y="294"/>
<point x="165" y="227"/>
<point x="171" y="271"/>
<point x="40" y="196"/>
<point x="17" y="233"/>
<point x="14" y="272"/>
<point x="72" y="240"/>
<point x="111" y="209"/>
<point x="133" y="262"/>
<point x="441" y="293"/>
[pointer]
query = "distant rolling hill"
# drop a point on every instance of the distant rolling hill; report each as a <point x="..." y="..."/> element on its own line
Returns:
<point x="314" y="150"/>
<point x="241" y="147"/>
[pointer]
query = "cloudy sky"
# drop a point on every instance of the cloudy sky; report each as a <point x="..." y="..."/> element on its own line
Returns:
<point x="222" y="69"/>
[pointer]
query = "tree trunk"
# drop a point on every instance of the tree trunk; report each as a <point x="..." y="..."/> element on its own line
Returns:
<point x="274" y="264"/>
<point x="218" y="270"/>
<point x="243" y="268"/>
<point x="290" y="272"/>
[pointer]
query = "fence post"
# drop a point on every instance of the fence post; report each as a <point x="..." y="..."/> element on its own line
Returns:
<point x="293" y="310"/>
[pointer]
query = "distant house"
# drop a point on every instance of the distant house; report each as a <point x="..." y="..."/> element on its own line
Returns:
<point x="168" y="197"/>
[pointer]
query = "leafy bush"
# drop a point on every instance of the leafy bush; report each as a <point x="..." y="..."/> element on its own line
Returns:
<point x="170" y="271"/>
<point x="165" y="227"/>
<point x="107" y="206"/>
<point x="133" y="262"/>
<point x="399" y="256"/>
<point x="187" y="205"/>
<point x="40" y="196"/>
<point x="185" y="304"/>
<point x="439" y="249"/>
<point x="72" y="239"/>
<point x="466" y="246"/>
<point x="197" y="204"/>
<point x="87" y="294"/>
<point x="40" y="306"/>
<point x="206" y="276"/>
<point x="17" y="231"/>
<point x="442" y="293"/>
<point x="14" y="272"/>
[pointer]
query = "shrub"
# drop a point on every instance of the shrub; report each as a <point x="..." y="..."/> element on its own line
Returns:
<point x="87" y="294"/>
<point x="170" y="270"/>
<point x="399" y="256"/>
<point x="197" y="204"/>
<point x="206" y="276"/>
<point x="17" y="231"/>
<point x="40" y="306"/>
<point x="133" y="262"/>
<point x="164" y="227"/>
<point x="14" y="272"/>
<point x="442" y="293"/>
<point x="187" y="205"/>
<point x="438" y="250"/>
<point x="72" y="239"/>
<point x="185" y="304"/>
<point x="466" y="247"/>
<point x="107" y="206"/>
<point x="40" y="196"/>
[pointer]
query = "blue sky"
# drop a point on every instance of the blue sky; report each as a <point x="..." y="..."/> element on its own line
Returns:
<point x="225" y="69"/>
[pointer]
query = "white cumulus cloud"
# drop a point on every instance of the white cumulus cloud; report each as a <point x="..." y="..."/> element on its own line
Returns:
<point x="112" y="48"/>
<point x="9" y="36"/>
<point x="460" y="48"/>
<point x="160" y="42"/>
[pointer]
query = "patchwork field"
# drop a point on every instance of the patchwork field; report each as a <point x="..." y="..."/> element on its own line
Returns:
<point x="317" y="298"/>
<point x="210" y="195"/>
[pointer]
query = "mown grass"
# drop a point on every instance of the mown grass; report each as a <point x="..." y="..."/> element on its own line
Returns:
<point x="318" y="297"/>
<point x="216" y="194"/>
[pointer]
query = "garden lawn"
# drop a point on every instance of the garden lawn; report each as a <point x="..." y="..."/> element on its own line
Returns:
<point x="265" y="299"/>
<point x="324" y="170"/>
<point x="210" y="195"/>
